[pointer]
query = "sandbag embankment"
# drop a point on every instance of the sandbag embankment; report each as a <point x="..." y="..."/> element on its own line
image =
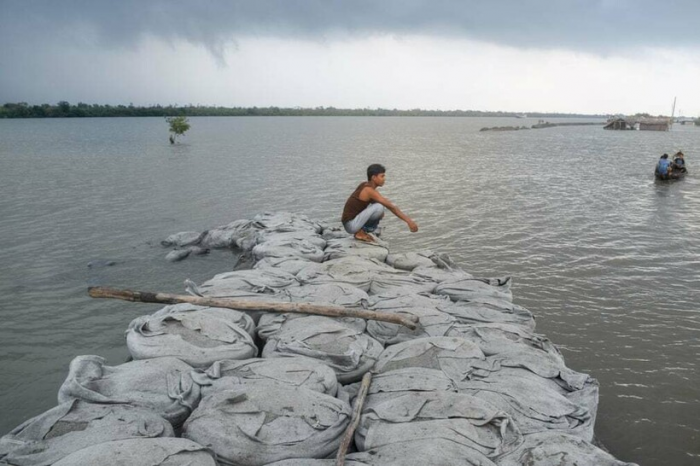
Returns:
<point x="74" y="425"/>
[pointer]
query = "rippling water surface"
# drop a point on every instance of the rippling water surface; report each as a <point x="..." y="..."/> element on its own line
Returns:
<point x="607" y="259"/>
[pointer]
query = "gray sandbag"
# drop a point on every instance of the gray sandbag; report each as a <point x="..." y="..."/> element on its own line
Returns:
<point x="177" y="255"/>
<point x="474" y="312"/>
<point x="262" y="423"/>
<point x="344" y="247"/>
<point x="329" y="233"/>
<point x="418" y="416"/>
<point x="290" y="265"/>
<point x="240" y="234"/>
<point x="142" y="452"/>
<point x="394" y="303"/>
<point x="256" y="280"/>
<point x="290" y="237"/>
<point x="431" y="322"/>
<point x="271" y="323"/>
<point x="163" y="385"/>
<point x="183" y="239"/>
<point x="292" y="372"/>
<point x="499" y="337"/>
<point x="286" y="221"/>
<point x="558" y="449"/>
<point x="196" y="335"/>
<point x="352" y="270"/>
<point x="238" y="318"/>
<point x="433" y="452"/>
<point x="533" y="402"/>
<point x="455" y="357"/>
<point x="439" y="275"/>
<point x="411" y="260"/>
<point x="348" y="351"/>
<point x="477" y="288"/>
<point x="279" y="248"/>
<point x="400" y="284"/>
<point x="74" y="425"/>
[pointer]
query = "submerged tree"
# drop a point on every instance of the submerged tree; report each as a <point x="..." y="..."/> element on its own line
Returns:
<point x="178" y="126"/>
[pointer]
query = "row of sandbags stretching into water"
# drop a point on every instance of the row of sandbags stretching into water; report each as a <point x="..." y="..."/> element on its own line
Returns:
<point x="472" y="385"/>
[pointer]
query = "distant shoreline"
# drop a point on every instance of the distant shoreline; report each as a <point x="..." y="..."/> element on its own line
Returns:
<point x="82" y="110"/>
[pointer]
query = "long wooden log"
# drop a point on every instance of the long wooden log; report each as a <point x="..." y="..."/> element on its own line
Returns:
<point x="247" y="305"/>
<point x="354" y="420"/>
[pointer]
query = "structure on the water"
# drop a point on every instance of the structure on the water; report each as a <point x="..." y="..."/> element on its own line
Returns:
<point x="639" y="123"/>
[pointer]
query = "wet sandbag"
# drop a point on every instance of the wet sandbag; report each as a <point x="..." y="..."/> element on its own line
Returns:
<point x="477" y="288"/>
<point x="431" y="322"/>
<point x="558" y="449"/>
<point x="533" y="402"/>
<point x="290" y="265"/>
<point x="163" y="385"/>
<point x="354" y="271"/>
<point x="142" y="452"/>
<point x="290" y="237"/>
<point x="455" y="357"/>
<point x="197" y="335"/>
<point x="240" y="234"/>
<point x="286" y="221"/>
<point x="271" y="323"/>
<point x="496" y="338"/>
<point x="255" y="280"/>
<point x="439" y="275"/>
<point x="410" y="260"/>
<point x="348" y="351"/>
<point x="279" y="248"/>
<point x="292" y="372"/>
<point x="329" y="233"/>
<point x="263" y="423"/>
<point x="473" y="312"/>
<point x="400" y="284"/>
<point x="460" y="418"/>
<point x="433" y="452"/>
<point x="344" y="247"/>
<point x="75" y="425"/>
<point x="183" y="239"/>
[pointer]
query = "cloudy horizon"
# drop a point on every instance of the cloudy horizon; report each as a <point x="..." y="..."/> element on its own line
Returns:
<point x="571" y="56"/>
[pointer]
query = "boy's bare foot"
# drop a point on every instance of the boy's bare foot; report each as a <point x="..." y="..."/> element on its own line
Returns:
<point x="363" y="236"/>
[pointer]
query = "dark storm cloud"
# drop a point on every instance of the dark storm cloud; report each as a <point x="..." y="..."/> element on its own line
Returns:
<point x="590" y="25"/>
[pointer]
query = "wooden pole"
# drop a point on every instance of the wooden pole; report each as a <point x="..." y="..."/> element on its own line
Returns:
<point x="354" y="420"/>
<point x="247" y="305"/>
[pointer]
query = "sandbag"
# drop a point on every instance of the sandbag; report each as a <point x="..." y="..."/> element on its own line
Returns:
<point x="279" y="248"/>
<point x="183" y="239"/>
<point x="256" y="280"/>
<point x="433" y="452"/>
<point x="292" y="372"/>
<point x="460" y="418"/>
<point x="348" y="351"/>
<point x="271" y="323"/>
<point x="163" y="385"/>
<point x="344" y="247"/>
<point x="284" y="237"/>
<point x="74" y="425"/>
<point x="439" y="275"/>
<point x="411" y="260"/>
<point x="475" y="289"/>
<point x="431" y="322"/>
<point x="262" y="423"/>
<point x="474" y="312"/>
<point x="240" y="233"/>
<point x="455" y="357"/>
<point x="286" y="221"/>
<point x="197" y="335"/>
<point x="401" y="283"/>
<point x="352" y="270"/>
<point x="558" y="449"/>
<point x="142" y="452"/>
<point x="290" y="265"/>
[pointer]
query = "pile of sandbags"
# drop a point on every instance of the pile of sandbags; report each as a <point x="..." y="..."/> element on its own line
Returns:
<point x="473" y="384"/>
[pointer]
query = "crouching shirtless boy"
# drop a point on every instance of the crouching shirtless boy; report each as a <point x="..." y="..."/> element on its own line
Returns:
<point x="365" y="206"/>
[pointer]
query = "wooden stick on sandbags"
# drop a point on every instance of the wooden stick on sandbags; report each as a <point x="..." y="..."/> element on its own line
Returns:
<point x="247" y="305"/>
<point x="354" y="420"/>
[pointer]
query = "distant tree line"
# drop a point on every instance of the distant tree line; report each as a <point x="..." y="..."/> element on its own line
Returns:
<point x="64" y="109"/>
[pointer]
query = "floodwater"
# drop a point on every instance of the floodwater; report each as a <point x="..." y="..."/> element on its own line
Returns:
<point x="607" y="258"/>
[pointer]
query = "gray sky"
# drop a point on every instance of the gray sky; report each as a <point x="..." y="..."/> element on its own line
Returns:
<point x="588" y="56"/>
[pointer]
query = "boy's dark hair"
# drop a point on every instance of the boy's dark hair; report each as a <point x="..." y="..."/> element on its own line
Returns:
<point x="375" y="169"/>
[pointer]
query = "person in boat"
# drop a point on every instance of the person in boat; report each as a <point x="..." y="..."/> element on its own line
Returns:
<point x="679" y="163"/>
<point x="365" y="207"/>
<point x="663" y="168"/>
